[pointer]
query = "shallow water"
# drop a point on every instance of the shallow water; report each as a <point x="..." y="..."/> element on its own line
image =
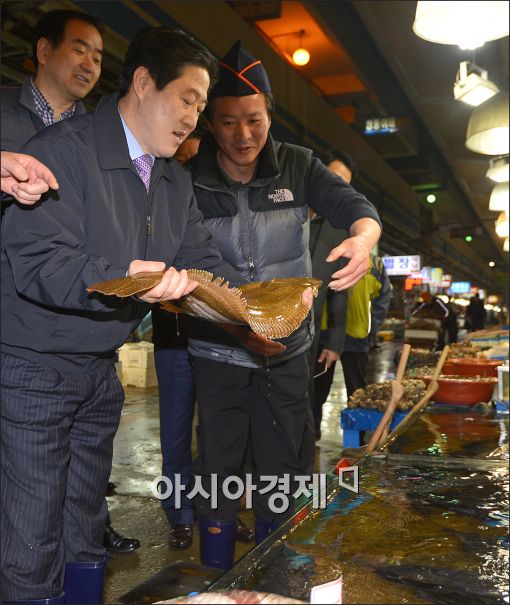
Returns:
<point x="414" y="534"/>
<point x="429" y="524"/>
<point x="455" y="432"/>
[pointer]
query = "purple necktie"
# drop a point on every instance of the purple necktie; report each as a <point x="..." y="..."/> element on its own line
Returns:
<point x="143" y="165"/>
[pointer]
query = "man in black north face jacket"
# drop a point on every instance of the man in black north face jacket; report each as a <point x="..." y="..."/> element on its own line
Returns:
<point x="254" y="194"/>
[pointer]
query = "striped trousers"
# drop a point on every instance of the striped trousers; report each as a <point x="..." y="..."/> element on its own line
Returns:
<point x="57" y="431"/>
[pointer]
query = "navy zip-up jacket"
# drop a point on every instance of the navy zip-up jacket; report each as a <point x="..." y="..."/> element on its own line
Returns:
<point x="20" y="120"/>
<point x="90" y="231"/>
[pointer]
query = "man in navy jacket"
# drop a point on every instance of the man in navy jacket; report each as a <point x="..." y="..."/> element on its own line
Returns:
<point x="67" y="50"/>
<point x="122" y="207"/>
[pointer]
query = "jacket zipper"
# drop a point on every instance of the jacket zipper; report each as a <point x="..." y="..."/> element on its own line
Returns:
<point x="252" y="268"/>
<point x="246" y="232"/>
<point x="148" y="233"/>
<point x="148" y="226"/>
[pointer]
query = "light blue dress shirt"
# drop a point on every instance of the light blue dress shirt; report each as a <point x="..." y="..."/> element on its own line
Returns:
<point x="135" y="149"/>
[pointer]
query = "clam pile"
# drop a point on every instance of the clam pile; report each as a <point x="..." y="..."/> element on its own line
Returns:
<point x="463" y="349"/>
<point x="419" y="357"/>
<point x="377" y="396"/>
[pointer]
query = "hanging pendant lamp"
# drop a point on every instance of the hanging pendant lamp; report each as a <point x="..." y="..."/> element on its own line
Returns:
<point x="498" y="169"/>
<point x="502" y="225"/>
<point x="487" y="130"/>
<point x="499" y="198"/>
<point x="466" y="24"/>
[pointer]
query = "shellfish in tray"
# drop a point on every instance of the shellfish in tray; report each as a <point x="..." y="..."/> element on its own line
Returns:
<point x="273" y="309"/>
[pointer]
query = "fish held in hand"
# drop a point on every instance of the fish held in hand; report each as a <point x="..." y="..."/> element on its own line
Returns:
<point x="273" y="309"/>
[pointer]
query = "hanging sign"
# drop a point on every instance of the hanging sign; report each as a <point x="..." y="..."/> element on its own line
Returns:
<point x="460" y="287"/>
<point x="436" y="276"/>
<point x="401" y="265"/>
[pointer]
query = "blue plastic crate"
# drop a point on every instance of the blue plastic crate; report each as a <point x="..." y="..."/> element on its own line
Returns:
<point x="501" y="406"/>
<point x="355" y="420"/>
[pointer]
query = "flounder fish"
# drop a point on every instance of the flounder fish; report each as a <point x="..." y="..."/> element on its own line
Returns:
<point x="273" y="309"/>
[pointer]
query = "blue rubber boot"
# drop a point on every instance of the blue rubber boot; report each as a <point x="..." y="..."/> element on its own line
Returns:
<point x="217" y="543"/>
<point x="49" y="601"/>
<point x="84" y="582"/>
<point x="263" y="528"/>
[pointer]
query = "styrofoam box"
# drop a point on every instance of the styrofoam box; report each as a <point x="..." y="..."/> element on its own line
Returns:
<point x="118" y="369"/>
<point x="137" y="354"/>
<point x="139" y="377"/>
<point x="432" y="322"/>
<point x="427" y="334"/>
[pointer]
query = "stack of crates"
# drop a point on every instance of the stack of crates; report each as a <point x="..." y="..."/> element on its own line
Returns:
<point x="135" y="366"/>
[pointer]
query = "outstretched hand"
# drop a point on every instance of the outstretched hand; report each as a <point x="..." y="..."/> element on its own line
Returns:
<point x="365" y="233"/>
<point x="25" y="178"/>
<point x="356" y="249"/>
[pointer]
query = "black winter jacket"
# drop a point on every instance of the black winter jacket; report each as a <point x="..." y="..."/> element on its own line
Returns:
<point x="262" y="228"/>
<point x="323" y="237"/>
<point x="101" y="219"/>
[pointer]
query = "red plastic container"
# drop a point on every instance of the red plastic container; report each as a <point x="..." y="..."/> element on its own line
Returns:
<point x="472" y="366"/>
<point x="448" y="368"/>
<point x="459" y="391"/>
<point x="342" y="463"/>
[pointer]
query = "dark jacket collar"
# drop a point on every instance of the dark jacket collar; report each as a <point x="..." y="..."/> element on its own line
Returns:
<point x="112" y="147"/>
<point x="206" y="172"/>
<point x="26" y="99"/>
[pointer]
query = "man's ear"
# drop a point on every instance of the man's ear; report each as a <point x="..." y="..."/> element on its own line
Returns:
<point x="141" y="81"/>
<point x="43" y="50"/>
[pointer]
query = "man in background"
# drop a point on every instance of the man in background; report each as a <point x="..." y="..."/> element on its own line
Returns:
<point x="475" y="313"/>
<point x="367" y="306"/>
<point x="330" y="307"/>
<point x="170" y="332"/>
<point x="189" y="147"/>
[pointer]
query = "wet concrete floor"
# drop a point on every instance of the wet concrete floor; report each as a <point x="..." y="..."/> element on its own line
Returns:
<point x="137" y="461"/>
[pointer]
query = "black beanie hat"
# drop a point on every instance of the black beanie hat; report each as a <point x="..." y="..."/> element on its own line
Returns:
<point x="240" y="74"/>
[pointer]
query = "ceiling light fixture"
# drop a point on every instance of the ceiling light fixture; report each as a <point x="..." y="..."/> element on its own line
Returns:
<point x="431" y="198"/>
<point x="498" y="169"/>
<point x="466" y="24"/>
<point x="487" y="130"/>
<point x="472" y="85"/>
<point x="300" y="56"/>
<point x="502" y="229"/>
<point x="499" y="198"/>
<point x="492" y="263"/>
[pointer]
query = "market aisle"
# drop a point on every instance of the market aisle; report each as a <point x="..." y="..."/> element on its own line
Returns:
<point x="137" y="461"/>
